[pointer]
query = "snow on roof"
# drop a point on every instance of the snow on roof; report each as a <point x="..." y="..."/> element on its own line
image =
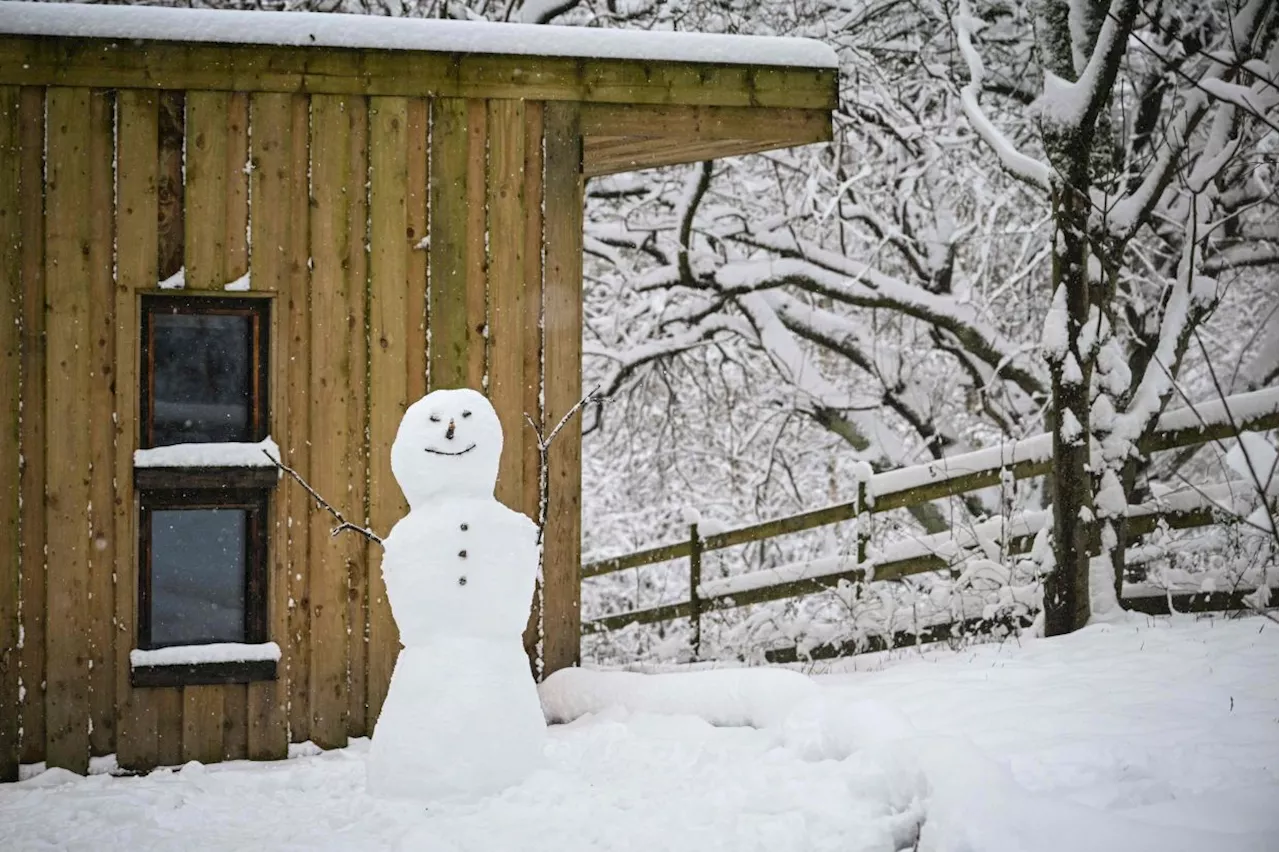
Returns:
<point x="312" y="29"/>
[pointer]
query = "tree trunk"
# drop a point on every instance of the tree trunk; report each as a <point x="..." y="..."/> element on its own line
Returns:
<point x="1066" y="592"/>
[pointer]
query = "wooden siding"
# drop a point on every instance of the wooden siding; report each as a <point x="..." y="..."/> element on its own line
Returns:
<point x="10" y="427"/>
<point x="266" y="68"/>
<point x="325" y="201"/>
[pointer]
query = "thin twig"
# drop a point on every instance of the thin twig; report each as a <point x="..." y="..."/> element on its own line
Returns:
<point x="343" y="523"/>
<point x="544" y="442"/>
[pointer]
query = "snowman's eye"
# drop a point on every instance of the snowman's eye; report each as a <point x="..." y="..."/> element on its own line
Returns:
<point x="435" y="418"/>
<point x="466" y="414"/>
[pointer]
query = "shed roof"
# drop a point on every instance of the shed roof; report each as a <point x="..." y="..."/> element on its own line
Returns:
<point x="308" y="29"/>
<point x="647" y="98"/>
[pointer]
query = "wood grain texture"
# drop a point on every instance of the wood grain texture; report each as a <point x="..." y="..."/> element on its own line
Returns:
<point x="391" y="241"/>
<point x="266" y="68"/>
<point x="236" y="226"/>
<point x="101" y="407"/>
<point x="271" y="122"/>
<point x="418" y="209"/>
<point x="532" y="235"/>
<point x="34" y="560"/>
<point x="297" y="303"/>
<point x="354" y="547"/>
<point x="448" y="253"/>
<point x="611" y="156"/>
<point x="202" y="720"/>
<point x="10" y="426"/>
<point x="68" y="234"/>
<point x="206" y="190"/>
<point x="562" y="385"/>
<point x="170" y="731"/>
<point x="235" y="721"/>
<point x="476" y="251"/>
<point x="332" y="340"/>
<point x="507" y="290"/>
<point x="137" y="212"/>
<point x="170" y="190"/>
<point x="683" y="123"/>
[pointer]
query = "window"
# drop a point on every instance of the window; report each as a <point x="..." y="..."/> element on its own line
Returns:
<point x="202" y="522"/>
<point x="205" y="362"/>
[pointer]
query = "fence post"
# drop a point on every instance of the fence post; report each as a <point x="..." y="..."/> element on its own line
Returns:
<point x="695" y="579"/>
<point x="860" y="534"/>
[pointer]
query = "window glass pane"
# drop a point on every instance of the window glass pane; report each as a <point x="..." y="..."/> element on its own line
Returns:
<point x="197" y="575"/>
<point x="203" y="377"/>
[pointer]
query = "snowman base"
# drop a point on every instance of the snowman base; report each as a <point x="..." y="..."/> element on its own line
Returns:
<point x="487" y="733"/>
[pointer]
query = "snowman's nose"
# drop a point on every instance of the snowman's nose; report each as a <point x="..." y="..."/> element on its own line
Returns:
<point x="448" y="433"/>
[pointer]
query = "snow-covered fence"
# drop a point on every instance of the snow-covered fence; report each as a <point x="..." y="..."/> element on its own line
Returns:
<point x="905" y="487"/>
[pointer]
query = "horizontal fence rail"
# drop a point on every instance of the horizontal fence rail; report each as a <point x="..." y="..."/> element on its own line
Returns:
<point x="912" y="486"/>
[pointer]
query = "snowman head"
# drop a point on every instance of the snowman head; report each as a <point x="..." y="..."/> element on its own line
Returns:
<point x="448" y="446"/>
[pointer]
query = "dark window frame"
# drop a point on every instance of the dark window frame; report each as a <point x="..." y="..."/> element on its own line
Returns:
<point x="254" y="503"/>
<point x="244" y="488"/>
<point x="255" y="309"/>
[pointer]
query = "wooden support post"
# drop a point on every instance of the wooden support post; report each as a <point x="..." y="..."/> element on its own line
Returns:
<point x="10" y="427"/>
<point x="862" y="522"/>
<point x="562" y="384"/>
<point x="695" y="580"/>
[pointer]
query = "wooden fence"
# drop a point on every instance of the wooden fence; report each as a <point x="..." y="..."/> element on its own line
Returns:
<point x="913" y="486"/>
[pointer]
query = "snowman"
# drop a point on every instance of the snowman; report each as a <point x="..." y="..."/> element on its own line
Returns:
<point x="462" y="717"/>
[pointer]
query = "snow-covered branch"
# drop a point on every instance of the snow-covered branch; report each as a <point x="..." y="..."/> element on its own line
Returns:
<point x="1016" y="163"/>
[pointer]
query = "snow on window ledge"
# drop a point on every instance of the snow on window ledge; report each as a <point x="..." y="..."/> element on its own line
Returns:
<point x="193" y="655"/>
<point x="209" y="455"/>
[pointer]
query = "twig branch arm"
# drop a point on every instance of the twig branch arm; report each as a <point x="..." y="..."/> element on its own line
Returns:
<point x="343" y="523"/>
<point x="544" y="442"/>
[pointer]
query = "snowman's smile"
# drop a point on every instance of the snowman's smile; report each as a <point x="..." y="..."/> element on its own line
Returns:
<point x="446" y="453"/>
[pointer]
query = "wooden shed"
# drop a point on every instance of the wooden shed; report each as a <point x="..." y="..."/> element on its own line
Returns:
<point x="220" y="230"/>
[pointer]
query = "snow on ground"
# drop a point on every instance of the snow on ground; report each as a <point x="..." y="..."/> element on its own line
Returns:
<point x="1147" y="735"/>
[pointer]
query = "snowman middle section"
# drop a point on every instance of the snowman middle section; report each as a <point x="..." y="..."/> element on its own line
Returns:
<point x="462" y="716"/>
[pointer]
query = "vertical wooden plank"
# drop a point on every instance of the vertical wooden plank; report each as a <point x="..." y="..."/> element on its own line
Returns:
<point x="418" y="211"/>
<point x="562" y="384"/>
<point x="332" y="341"/>
<point x="391" y="243"/>
<point x="207" y="135"/>
<point x="169" y="187"/>
<point x="10" y="425"/>
<point x="101" y="405"/>
<point x="202" y="715"/>
<point x="235" y="263"/>
<point x="354" y="547"/>
<point x="169" y="728"/>
<point x="507" y="290"/>
<point x="234" y="741"/>
<point x="68" y="235"/>
<point x="137" y="212"/>
<point x="447" y="309"/>
<point x="477" y="245"/>
<point x="532" y="487"/>
<point x="236" y="257"/>
<point x="297" y="651"/>
<point x="271" y="121"/>
<point x="34" y="560"/>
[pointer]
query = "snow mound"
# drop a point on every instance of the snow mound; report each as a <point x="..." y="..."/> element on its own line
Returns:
<point x="754" y="698"/>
